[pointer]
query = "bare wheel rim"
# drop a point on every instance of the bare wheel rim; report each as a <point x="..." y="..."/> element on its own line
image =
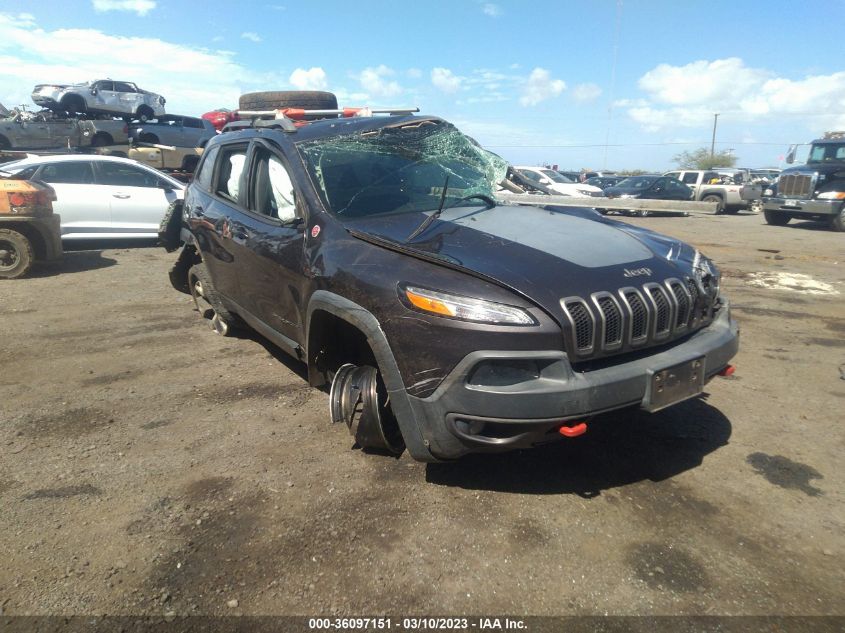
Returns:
<point x="9" y="256"/>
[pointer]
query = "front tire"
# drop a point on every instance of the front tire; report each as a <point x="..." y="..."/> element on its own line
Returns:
<point x="777" y="218"/>
<point x="16" y="255"/>
<point x="720" y="203"/>
<point x="837" y="222"/>
<point x="145" y="113"/>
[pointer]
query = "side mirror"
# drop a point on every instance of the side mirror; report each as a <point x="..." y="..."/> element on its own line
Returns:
<point x="93" y="91"/>
<point x="790" y="154"/>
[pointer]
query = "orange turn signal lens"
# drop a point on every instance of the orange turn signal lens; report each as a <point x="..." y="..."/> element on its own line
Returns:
<point x="428" y="304"/>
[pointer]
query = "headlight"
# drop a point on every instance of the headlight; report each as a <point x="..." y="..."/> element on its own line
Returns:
<point x="768" y="192"/>
<point x="585" y="192"/>
<point x="465" y="308"/>
<point x="832" y="195"/>
<point x="706" y="273"/>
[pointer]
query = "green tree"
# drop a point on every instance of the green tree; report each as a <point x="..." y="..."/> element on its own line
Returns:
<point x="701" y="159"/>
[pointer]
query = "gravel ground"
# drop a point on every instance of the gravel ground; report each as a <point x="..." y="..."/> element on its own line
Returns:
<point x="148" y="466"/>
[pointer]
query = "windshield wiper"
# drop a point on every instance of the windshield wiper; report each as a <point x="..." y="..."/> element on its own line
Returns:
<point x="427" y="222"/>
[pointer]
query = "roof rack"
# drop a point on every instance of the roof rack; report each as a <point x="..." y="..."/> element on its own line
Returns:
<point x="289" y="119"/>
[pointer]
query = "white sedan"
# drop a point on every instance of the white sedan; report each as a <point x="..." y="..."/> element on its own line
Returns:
<point x="559" y="183"/>
<point x="102" y="196"/>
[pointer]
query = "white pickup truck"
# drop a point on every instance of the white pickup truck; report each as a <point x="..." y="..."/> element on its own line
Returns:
<point x="730" y="189"/>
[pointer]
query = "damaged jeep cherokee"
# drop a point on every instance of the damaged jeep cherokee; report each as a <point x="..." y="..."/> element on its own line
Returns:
<point x="374" y="250"/>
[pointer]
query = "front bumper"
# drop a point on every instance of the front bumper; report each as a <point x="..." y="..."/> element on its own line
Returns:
<point x="802" y="207"/>
<point x="465" y="416"/>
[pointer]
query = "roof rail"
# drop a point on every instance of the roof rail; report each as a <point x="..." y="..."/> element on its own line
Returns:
<point x="299" y="114"/>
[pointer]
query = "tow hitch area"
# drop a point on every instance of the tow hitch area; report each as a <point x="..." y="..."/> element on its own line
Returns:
<point x="728" y="371"/>
<point x="573" y="431"/>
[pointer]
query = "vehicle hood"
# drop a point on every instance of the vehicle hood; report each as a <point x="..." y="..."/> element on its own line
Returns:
<point x="822" y="168"/>
<point x="544" y="255"/>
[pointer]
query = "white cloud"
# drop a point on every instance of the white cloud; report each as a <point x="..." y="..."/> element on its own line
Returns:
<point x="252" y="37"/>
<point x="443" y="79"/>
<point x="192" y="80"/>
<point x="376" y="82"/>
<point x="689" y="95"/>
<point x="540" y="86"/>
<point x="414" y="73"/>
<point x="141" y="7"/>
<point x="586" y="92"/>
<point x="493" y="10"/>
<point x="311" y="79"/>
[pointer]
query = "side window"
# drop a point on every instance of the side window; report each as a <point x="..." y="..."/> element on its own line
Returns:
<point x="123" y="175"/>
<point x="273" y="194"/>
<point x="710" y="178"/>
<point x="203" y="177"/>
<point x="26" y="173"/>
<point x="690" y="178"/>
<point x="104" y="85"/>
<point x="191" y="122"/>
<point x="532" y="176"/>
<point x="122" y="86"/>
<point x="70" y="172"/>
<point x="673" y="174"/>
<point x="229" y="174"/>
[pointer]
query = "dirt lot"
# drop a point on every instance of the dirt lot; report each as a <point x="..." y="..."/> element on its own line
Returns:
<point x="149" y="466"/>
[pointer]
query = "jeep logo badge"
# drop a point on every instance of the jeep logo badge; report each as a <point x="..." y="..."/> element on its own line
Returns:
<point x="638" y="272"/>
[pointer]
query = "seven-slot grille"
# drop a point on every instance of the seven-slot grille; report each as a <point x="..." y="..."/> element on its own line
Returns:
<point x="634" y="317"/>
<point x="796" y="185"/>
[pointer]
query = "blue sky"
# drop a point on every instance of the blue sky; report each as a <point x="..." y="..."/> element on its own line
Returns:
<point x="607" y="83"/>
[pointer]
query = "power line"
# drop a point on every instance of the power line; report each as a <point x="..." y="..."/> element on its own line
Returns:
<point x="783" y="144"/>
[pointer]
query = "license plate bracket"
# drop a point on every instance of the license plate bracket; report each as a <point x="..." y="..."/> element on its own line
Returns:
<point x="674" y="384"/>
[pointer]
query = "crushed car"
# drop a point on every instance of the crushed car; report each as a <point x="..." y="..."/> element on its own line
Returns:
<point x="373" y="249"/>
<point x="105" y="96"/>
<point x="23" y="130"/>
<point x="29" y="230"/>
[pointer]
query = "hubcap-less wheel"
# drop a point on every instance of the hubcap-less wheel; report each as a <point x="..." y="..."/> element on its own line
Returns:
<point x="358" y="398"/>
<point x="9" y="256"/>
<point x="206" y="310"/>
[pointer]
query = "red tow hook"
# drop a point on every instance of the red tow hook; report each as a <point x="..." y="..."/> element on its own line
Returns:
<point x="573" y="431"/>
<point x="728" y="371"/>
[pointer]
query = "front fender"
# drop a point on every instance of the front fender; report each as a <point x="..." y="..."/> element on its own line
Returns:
<point x="367" y="323"/>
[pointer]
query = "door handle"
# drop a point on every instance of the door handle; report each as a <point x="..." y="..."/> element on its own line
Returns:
<point x="122" y="196"/>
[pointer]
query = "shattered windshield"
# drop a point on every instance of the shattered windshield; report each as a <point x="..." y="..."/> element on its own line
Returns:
<point x="400" y="169"/>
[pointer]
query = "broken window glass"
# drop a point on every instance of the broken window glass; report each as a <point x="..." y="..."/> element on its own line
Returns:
<point x="399" y="169"/>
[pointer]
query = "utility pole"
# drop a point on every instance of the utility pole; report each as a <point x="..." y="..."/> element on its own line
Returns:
<point x="713" y="142"/>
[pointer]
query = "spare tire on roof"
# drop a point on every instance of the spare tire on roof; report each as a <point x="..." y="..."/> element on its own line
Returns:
<point x="275" y="100"/>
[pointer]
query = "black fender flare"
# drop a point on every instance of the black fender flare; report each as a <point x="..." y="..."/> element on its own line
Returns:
<point x="367" y="323"/>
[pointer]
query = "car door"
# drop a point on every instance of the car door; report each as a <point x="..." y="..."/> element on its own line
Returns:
<point x="269" y="234"/>
<point x="138" y="197"/>
<point x="64" y="133"/>
<point x="104" y="98"/>
<point x="128" y="97"/>
<point x="658" y="190"/>
<point x="27" y="134"/>
<point x="83" y="206"/>
<point x="212" y="201"/>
